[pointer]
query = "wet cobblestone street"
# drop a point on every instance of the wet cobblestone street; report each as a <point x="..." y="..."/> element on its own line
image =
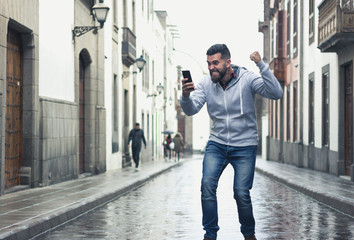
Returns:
<point x="168" y="207"/>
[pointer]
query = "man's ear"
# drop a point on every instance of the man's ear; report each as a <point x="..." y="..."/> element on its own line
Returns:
<point x="228" y="61"/>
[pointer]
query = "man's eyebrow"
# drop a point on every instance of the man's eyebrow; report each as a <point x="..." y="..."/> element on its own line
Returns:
<point x="214" y="61"/>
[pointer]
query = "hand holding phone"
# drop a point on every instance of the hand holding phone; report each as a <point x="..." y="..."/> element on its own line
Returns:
<point x="188" y="85"/>
<point x="187" y="74"/>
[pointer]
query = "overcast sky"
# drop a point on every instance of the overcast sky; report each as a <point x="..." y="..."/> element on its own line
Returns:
<point x="202" y="23"/>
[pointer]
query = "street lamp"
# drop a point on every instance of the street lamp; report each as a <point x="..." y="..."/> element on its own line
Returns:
<point x="100" y="12"/>
<point x="140" y="63"/>
<point x="159" y="89"/>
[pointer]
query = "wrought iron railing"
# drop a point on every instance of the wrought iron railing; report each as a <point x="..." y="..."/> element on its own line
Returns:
<point x="335" y="17"/>
<point x="278" y="65"/>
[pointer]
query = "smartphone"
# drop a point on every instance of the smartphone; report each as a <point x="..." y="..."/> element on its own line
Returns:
<point x="187" y="74"/>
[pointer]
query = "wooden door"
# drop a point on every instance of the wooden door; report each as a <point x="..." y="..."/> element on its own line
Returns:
<point x="82" y="117"/>
<point x="348" y="131"/>
<point x="13" y="118"/>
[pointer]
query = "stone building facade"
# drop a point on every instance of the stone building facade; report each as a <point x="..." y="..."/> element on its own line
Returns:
<point x="310" y="47"/>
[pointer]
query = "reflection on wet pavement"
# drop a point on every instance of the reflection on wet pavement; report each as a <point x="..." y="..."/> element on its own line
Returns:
<point x="168" y="207"/>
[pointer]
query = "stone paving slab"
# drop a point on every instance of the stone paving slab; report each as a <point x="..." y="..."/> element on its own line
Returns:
<point x="328" y="189"/>
<point x="27" y="213"/>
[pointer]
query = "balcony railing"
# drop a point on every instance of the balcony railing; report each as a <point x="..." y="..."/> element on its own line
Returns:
<point x="336" y="24"/>
<point x="128" y="47"/>
<point x="278" y="66"/>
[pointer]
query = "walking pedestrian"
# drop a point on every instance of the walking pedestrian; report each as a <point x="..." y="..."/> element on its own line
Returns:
<point x="179" y="145"/>
<point x="136" y="135"/>
<point x="168" y="148"/>
<point x="229" y="93"/>
<point x="164" y="148"/>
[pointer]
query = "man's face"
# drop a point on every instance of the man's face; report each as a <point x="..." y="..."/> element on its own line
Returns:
<point x="217" y="67"/>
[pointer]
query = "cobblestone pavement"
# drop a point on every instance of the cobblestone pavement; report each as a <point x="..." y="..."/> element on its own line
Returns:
<point x="168" y="207"/>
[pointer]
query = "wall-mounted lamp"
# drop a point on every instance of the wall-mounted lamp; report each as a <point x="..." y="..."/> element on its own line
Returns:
<point x="140" y="63"/>
<point x="100" y="12"/>
<point x="159" y="89"/>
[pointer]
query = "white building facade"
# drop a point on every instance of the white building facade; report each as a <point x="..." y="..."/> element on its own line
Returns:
<point x="70" y="98"/>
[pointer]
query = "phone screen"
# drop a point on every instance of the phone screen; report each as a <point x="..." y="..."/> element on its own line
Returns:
<point x="187" y="74"/>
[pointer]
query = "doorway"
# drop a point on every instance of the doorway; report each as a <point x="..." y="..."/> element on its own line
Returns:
<point x="348" y="117"/>
<point x="14" y="109"/>
<point x="81" y="116"/>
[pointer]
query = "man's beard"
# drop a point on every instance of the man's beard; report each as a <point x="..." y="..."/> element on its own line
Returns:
<point x="222" y="73"/>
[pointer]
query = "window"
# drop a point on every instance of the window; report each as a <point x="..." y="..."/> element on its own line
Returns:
<point x="146" y="72"/>
<point x="153" y="72"/>
<point x="272" y="43"/>
<point x="311" y="21"/>
<point x="295" y="13"/>
<point x="288" y="32"/>
<point x="311" y="108"/>
<point x="280" y="34"/>
<point x="142" y="125"/>
<point x="325" y="106"/>
<point x="295" y="110"/>
<point x="148" y="126"/>
<point x="114" y="114"/>
<point x="134" y="17"/>
<point x="276" y="117"/>
<point x="270" y="119"/>
<point x="125" y="11"/>
<point x="114" y="10"/>
<point x="115" y="103"/>
<point x="288" y="122"/>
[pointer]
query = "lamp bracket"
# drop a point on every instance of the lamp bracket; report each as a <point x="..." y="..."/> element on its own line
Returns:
<point x="78" y="31"/>
<point x="126" y="74"/>
<point x="152" y="95"/>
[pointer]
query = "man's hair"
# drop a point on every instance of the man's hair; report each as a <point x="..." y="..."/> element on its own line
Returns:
<point x="137" y="124"/>
<point x="219" y="48"/>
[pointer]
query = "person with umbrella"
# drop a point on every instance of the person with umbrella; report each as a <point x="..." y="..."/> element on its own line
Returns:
<point x="168" y="148"/>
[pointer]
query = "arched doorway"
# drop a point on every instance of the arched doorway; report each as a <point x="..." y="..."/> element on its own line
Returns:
<point x="83" y="103"/>
<point x="81" y="115"/>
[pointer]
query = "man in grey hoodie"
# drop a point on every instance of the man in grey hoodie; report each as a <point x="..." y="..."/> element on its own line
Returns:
<point x="229" y="93"/>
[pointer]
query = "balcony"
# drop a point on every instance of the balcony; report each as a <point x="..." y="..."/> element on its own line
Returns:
<point x="278" y="66"/>
<point x="128" y="47"/>
<point x="336" y="24"/>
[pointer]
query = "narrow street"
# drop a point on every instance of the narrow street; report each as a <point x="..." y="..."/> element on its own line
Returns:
<point x="168" y="207"/>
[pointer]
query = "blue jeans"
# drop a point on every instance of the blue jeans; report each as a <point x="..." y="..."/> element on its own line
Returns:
<point x="217" y="157"/>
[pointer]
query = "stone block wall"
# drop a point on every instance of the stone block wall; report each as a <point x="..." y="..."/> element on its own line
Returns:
<point x="58" y="141"/>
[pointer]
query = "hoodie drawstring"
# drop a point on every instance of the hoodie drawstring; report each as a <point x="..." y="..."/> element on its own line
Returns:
<point x="241" y="104"/>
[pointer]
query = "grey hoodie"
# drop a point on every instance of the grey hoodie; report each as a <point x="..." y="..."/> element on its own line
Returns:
<point x="232" y="110"/>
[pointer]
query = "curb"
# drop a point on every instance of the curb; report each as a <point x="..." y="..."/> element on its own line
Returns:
<point x="337" y="203"/>
<point x="41" y="224"/>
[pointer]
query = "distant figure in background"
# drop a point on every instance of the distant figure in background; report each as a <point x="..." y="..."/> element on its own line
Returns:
<point x="136" y="135"/>
<point x="179" y="145"/>
<point x="168" y="149"/>
<point x="164" y="148"/>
